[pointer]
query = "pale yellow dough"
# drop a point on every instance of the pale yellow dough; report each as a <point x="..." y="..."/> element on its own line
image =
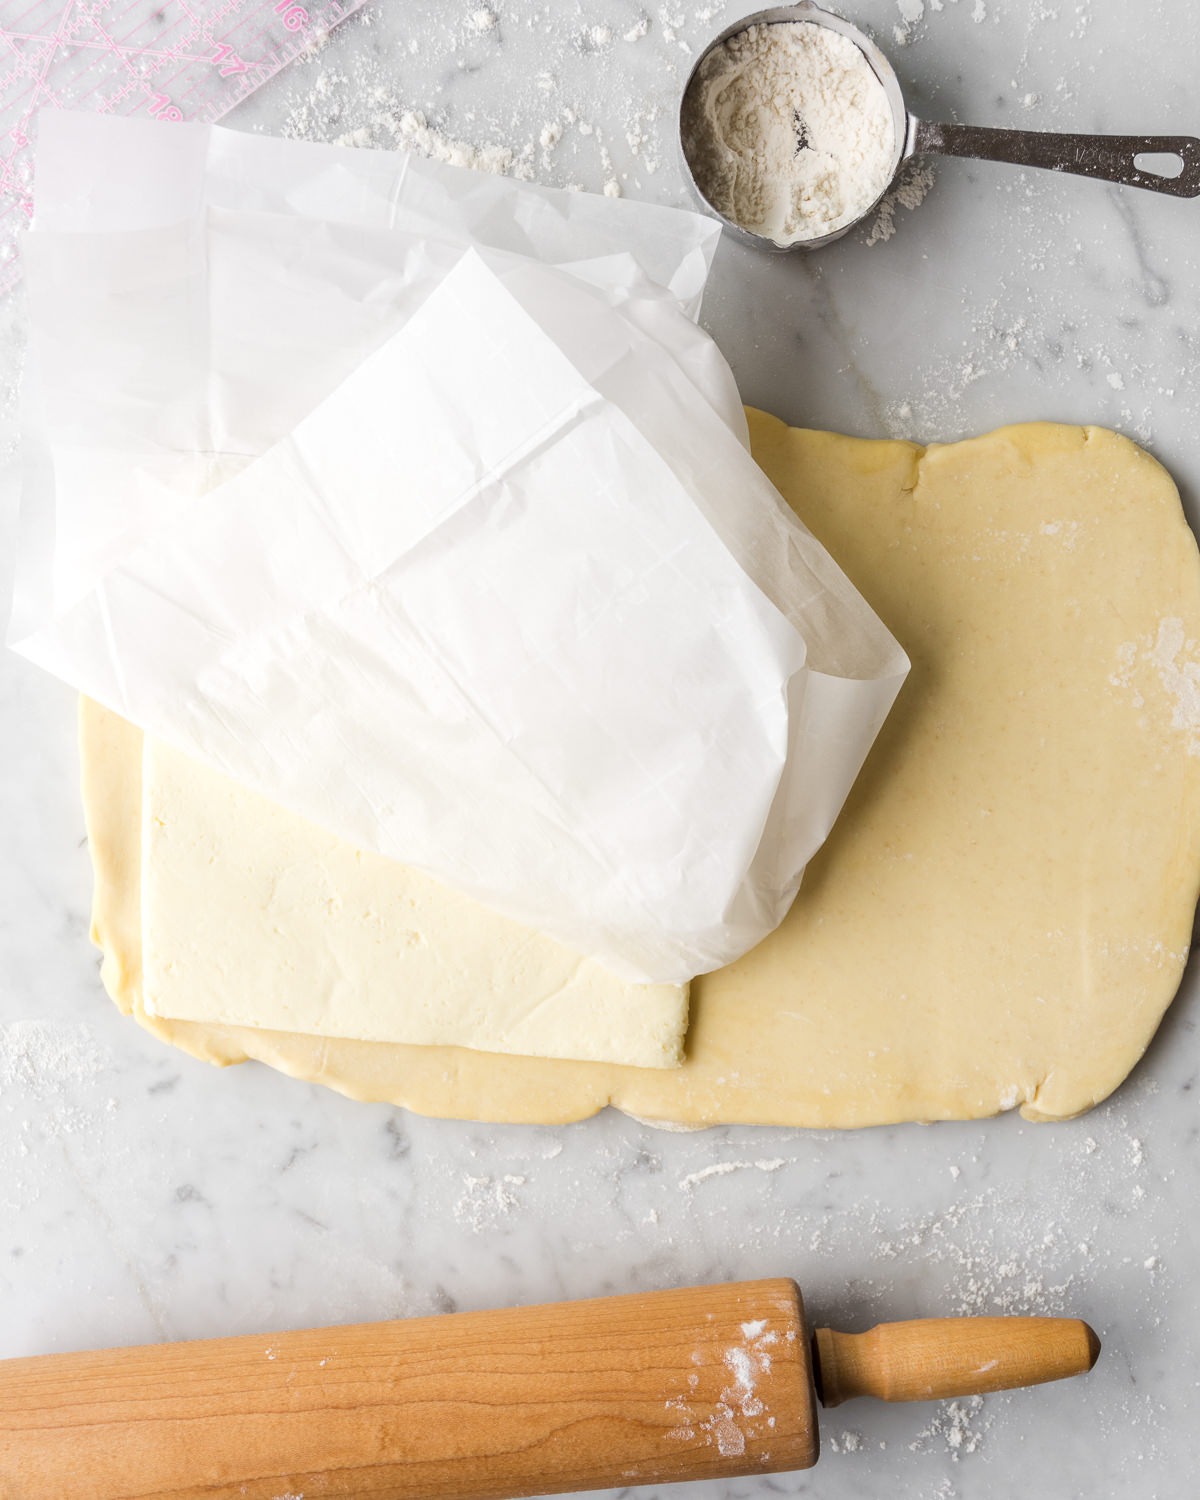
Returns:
<point x="1004" y="908"/>
<point x="310" y="934"/>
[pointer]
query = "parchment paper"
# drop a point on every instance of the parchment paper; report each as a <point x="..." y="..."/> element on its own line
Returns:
<point x="423" y="507"/>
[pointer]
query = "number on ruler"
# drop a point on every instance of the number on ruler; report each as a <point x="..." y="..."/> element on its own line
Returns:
<point x="230" y="62"/>
<point x="294" y="16"/>
<point x="161" y="108"/>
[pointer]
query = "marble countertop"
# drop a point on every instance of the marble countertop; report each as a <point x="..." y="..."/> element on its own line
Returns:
<point x="146" y="1196"/>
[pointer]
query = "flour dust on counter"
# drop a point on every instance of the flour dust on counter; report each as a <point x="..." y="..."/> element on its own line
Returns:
<point x="346" y="1213"/>
<point x="912" y="186"/>
<point x="589" y="105"/>
<point x="377" y="94"/>
<point x="56" y="1067"/>
<point x="967" y="1243"/>
<point x="1006" y="342"/>
<point x="48" y="1056"/>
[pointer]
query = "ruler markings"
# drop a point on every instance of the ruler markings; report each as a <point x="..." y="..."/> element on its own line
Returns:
<point x="22" y="127"/>
<point x="199" y="57"/>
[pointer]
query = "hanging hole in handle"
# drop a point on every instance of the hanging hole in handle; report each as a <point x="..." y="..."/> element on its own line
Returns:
<point x="1159" y="163"/>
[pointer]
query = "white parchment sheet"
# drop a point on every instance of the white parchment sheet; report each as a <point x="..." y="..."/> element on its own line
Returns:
<point x="416" y="500"/>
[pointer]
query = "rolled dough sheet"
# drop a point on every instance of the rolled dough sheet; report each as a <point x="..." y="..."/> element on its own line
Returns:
<point x="1003" y="910"/>
<point x="312" y="935"/>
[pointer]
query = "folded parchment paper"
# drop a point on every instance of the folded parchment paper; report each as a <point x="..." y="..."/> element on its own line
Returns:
<point x="417" y="501"/>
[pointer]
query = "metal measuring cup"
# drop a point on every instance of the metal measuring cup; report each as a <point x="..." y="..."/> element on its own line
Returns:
<point x="1112" y="158"/>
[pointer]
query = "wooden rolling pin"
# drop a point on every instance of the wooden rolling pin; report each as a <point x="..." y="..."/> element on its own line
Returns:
<point x="694" y="1384"/>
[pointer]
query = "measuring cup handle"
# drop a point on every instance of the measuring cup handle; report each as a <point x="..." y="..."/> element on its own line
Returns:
<point x="1111" y="157"/>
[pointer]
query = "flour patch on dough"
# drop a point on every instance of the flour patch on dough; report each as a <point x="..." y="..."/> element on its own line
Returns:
<point x="1174" y="660"/>
<point x="1066" y="533"/>
<point x="1174" y="656"/>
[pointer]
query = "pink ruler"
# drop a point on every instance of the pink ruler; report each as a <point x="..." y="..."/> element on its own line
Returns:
<point x="167" y="59"/>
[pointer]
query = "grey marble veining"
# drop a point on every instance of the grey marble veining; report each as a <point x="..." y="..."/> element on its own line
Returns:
<point x="145" y="1196"/>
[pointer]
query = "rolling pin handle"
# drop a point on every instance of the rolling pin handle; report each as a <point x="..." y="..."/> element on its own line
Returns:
<point x="931" y="1359"/>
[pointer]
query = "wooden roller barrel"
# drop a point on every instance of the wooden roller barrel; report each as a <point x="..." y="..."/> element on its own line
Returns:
<point x="698" y="1383"/>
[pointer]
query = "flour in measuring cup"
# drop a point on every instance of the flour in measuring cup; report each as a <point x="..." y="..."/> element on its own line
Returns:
<point x="788" y="131"/>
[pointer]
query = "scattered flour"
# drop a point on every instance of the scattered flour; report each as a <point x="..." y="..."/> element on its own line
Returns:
<point x="909" y="191"/>
<point x="414" y="133"/>
<point x="54" y="1064"/>
<point x="724" y="1431"/>
<point x="912" y="12"/>
<point x="1175" y="661"/>
<point x="577" y="120"/>
<point x="959" y="1425"/>
<point x="722" y="1168"/>
<point x="486" y="1200"/>
<point x="740" y="1414"/>
<point x="49" y="1057"/>
<point x="373" y="96"/>
<point x="1180" y="678"/>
